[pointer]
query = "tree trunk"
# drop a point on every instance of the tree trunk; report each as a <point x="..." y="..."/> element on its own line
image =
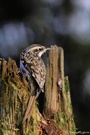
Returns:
<point x="56" y="117"/>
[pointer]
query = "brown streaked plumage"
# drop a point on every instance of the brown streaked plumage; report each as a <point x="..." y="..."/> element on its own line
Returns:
<point x="34" y="66"/>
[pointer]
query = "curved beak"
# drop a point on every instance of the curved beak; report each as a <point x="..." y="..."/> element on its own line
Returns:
<point x="48" y="49"/>
<point x="42" y="52"/>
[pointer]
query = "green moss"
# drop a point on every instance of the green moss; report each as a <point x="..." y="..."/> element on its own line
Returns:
<point x="61" y="119"/>
<point x="71" y="124"/>
<point x="31" y="121"/>
<point x="32" y="126"/>
<point x="67" y="85"/>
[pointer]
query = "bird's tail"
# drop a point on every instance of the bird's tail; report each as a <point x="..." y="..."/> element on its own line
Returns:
<point x="30" y="106"/>
<point x="29" y="109"/>
<point x="28" y="112"/>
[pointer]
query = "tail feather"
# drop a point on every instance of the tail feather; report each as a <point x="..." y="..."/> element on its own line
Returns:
<point x="29" y="109"/>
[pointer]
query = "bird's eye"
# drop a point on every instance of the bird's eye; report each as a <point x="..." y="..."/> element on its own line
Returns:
<point x="36" y="50"/>
<point x="40" y="49"/>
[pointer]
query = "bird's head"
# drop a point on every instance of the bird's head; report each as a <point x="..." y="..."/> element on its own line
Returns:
<point x="35" y="50"/>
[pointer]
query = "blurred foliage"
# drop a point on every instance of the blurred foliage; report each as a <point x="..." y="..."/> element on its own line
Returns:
<point x="48" y="22"/>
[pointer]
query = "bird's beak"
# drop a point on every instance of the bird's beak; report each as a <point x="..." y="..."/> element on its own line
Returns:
<point x="48" y="49"/>
<point x="41" y="53"/>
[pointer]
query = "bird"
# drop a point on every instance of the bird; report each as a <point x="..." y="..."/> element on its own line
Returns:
<point x="33" y="67"/>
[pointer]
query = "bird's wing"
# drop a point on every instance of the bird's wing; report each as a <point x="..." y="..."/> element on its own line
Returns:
<point x="38" y="70"/>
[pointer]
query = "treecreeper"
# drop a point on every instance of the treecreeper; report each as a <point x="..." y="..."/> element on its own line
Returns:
<point x="33" y="67"/>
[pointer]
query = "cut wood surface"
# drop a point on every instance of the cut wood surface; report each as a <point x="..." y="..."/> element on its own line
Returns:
<point x="57" y="115"/>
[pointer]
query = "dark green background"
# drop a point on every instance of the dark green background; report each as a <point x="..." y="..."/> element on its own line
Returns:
<point x="49" y="22"/>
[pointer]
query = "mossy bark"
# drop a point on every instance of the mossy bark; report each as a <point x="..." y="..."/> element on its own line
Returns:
<point x="57" y="116"/>
<point x="57" y="92"/>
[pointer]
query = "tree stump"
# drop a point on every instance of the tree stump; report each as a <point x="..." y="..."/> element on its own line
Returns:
<point x="57" y="115"/>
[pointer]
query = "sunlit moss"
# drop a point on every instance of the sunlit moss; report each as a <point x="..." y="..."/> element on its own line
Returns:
<point x="61" y="119"/>
<point x="67" y="85"/>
